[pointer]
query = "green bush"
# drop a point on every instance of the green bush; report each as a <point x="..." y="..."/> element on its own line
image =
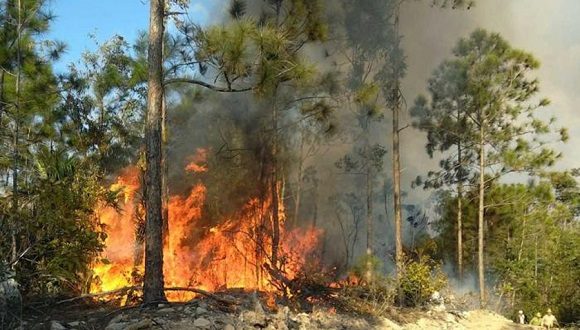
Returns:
<point x="420" y="279"/>
<point x="59" y="232"/>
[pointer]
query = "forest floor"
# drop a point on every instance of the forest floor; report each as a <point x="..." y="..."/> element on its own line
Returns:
<point x="211" y="314"/>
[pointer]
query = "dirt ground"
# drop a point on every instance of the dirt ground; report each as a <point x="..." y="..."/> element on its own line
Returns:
<point x="212" y="315"/>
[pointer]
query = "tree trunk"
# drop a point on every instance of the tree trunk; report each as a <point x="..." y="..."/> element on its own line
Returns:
<point x="481" y="270"/>
<point x="15" y="193"/>
<point x="459" y="217"/>
<point x="153" y="279"/>
<point x="536" y="258"/>
<point x="523" y="240"/>
<point x="16" y="142"/>
<point x="397" y="163"/>
<point x="299" y="181"/>
<point x="274" y="177"/>
<point x="274" y="187"/>
<point x="460" y="232"/>
<point x="369" y="214"/>
<point x="315" y="206"/>
<point x="165" y="176"/>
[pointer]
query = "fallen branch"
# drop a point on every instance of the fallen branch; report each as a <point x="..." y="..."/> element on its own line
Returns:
<point x="205" y="293"/>
<point x="100" y="294"/>
<point x="136" y="287"/>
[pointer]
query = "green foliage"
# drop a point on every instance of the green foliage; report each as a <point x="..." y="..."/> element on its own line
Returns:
<point x="102" y="117"/>
<point x="51" y="136"/>
<point x="67" y="235"/>
<point x="486" y="85"/>
<point x="532" y="251"/>
<point x="420" y="279"/>
<point x="367" y="94"/>
<point x="262" y="53"/>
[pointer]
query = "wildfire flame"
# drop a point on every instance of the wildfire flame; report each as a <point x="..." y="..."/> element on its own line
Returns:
<point x="229" y="254"/>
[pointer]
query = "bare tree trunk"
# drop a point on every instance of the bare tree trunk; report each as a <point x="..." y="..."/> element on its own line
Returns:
<point x="165" y="176"/>
<point x="344" y="239"/>
<point x="459" y="218"/>
<point x="397" y="162"/>
<point x="481" y="270"/>
<point x="460" y="232"/>
<point x="274" y="187"/>
<point x="16" y="141"/>
<point x="153" y="279"/>
<point x="521" y="249"/>
<point x="369" y="214"/>
<point x="15" y="193"/>
<point x="164" y="152"/>
<point x="536" y="258"/>
<point x="261" y="219"/>
<point x="315" y="206"/>
<point x="274" y="177"/>
<point x="299" y="181"/>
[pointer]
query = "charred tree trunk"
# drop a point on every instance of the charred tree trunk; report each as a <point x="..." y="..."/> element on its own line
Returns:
<point x="480" y="267"/>
<point x="153" y="279"/>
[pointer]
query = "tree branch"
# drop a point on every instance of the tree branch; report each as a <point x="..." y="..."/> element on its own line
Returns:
<point x="206" y="85"/>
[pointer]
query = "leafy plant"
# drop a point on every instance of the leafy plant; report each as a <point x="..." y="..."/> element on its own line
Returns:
<point x="420" y="279"/>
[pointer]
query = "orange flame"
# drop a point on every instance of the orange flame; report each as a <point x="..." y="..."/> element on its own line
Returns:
<point x="198" y="163"/>
<point x="229" y="254"/>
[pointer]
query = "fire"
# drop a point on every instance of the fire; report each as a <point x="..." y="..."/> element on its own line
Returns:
<point x="115" y="269"/>
<point x="229" y="254"/>
<point x="198" y="161"/>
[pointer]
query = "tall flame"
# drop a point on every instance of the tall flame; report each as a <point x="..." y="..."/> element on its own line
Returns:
<point x="227" y="255"/>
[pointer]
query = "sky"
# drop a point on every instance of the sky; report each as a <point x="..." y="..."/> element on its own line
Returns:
<point x="548" y="29"/>
<point x="76" y="20"/>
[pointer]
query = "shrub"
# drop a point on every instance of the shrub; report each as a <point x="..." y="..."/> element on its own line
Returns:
<point x="420" y="279"/>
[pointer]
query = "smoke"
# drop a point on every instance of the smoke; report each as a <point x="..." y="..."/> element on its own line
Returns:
<point x="234" y="127"/>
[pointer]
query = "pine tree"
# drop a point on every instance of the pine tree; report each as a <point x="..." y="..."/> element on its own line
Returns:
<point x="445" y="121"/>
<point x="491" y="81"/>
<point x="24" y="81"/>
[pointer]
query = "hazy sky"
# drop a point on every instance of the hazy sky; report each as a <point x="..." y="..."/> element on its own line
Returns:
<point x="550" y="29"/>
